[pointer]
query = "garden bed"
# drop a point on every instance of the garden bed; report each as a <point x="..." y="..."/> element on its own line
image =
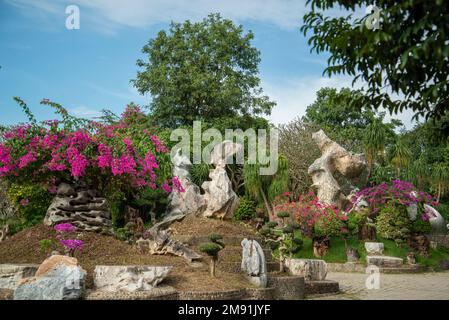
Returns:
<point x="23" y="247"/>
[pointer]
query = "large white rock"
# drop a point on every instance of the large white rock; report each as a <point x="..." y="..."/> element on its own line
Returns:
<point x="374" y="248"/>
<point x="436" y="220"/>
<point x="219" y="196"/>
<point x="12" y="274"/>
<point x="129" y="278"/>
<point x="191" y="201"/>
<point x="333" y="158"/>
<point x="384" y="261"/>
<point x="58" y="278"/>
<point x="254" y="263"/>
<point x="310" y="269"/>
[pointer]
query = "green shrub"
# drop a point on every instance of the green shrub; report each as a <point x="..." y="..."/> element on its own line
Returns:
<point x="394" y="223"/>
<point x="210" y="248"/>
<point x="356" y="219"/>
<point x="419" y="226"/>
<point x="46" y="245"/>
<point x="31" y="201"/>
<point x="246" y="209"/>
<point x="443" y="209"/>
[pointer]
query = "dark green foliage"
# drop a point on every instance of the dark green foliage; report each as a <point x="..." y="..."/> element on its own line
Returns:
<point x="413" y="61"/>
<point x="288" y="229"/>
<point x="215" y="237"/>
<point x="394" y="223"/>
<point x="246" y="209"/>
<point x="210" y="248"/>
<point x="31" y="201"/>
<point x="419" y="226"/>
<point x="271" y="224"/>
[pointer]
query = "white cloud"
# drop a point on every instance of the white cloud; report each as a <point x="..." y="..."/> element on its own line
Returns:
<point x="295" y="94"/>
<point x="84" y="112"/>
<point x="286" y="14"/>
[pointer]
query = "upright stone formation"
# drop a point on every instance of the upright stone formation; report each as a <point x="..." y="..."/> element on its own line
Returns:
<point x="190" y="201"/>
<point x="333" y="158"/>
<point x="436" y="220"/>
<point x="219" y="196"/>
<point x="83" y="208"/>
<point x="253" y="262"/>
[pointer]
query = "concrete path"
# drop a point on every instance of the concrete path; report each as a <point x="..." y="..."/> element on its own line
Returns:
<point x="421" y="286"/>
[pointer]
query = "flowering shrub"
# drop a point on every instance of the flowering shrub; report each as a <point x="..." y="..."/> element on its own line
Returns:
<point x="65" y="236"/>
<point x="314" y="218"/>
<point x="119" y="158"/>
<point x="400" y="192"/>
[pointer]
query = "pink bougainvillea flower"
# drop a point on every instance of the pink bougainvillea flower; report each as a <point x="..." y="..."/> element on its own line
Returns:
<point x="65" y="227"/>
<point x="165" y="186"/>
<point x="24" y="202"/>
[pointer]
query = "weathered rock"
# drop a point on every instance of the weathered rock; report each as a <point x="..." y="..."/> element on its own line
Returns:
<point x="333" y="158"/>
<point x="162" y="243"/>
<point x="83" y="209"/>
<point x="436" y="220"/>
<point x="129" y="278"/>
<point x="219" y="196"/>
<point x="254" y="263"/>
<point x="58" y="278"/>
<point x="191" y="201"/>
<point x="4" y="231"/>
<point x="384" y="261"/>
<point x="310" y="269"/>
<point x="12" y="274"/>
<point x="374" y="248"/>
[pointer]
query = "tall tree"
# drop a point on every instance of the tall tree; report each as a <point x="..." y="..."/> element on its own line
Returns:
<point x="408" y="52"/>
<point x="202" y="71"/>
<point x="374" y="140"/>
<point x="400" y="155"/>
<point x="339" y="114"/>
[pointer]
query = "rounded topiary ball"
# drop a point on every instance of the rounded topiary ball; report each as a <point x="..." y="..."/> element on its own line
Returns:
<point x="211" y="249"/>
<point x="214" y="237"/>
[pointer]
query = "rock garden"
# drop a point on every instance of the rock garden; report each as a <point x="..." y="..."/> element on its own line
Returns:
<point x="136" y="207"/>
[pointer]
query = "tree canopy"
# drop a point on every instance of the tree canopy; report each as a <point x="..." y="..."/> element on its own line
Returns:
<point x="202" y="71"/>
<point x="408" y="54"/>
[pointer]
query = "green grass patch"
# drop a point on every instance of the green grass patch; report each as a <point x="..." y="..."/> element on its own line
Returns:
<point x="337" y="252"/>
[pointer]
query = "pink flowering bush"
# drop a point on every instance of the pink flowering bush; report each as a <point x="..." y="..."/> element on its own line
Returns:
<point x="315" y="219"/>
<point x="122" y="158"/>
<point x="66" y="235"/>
<point x="400" y="192"/>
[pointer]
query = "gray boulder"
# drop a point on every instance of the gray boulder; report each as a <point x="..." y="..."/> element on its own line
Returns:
<point x="129" y="278"/>
<point x="310" y="269"/>
<point x="12" y="274"/>
<point x="254" y="263"/>
<point x="58" y="278"/>
<point x="436" y="220"/>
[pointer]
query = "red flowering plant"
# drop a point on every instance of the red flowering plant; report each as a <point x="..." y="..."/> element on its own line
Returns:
<point x="122" y="156"/>
<point x="316" y="220"/>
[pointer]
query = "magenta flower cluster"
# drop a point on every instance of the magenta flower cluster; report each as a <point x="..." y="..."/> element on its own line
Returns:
<point x="402" y="192"/>
<point x="70" y="245"/>
<point x="99" y="150"/>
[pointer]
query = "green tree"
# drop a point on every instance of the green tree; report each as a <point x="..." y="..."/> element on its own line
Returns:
<point x="341" y="116"/>
<point x="374" y="143"/>
<point x="400" y="155"/>
<point x="408" y="53"/>
<point x="440" y="178"/>
<point x="202" y="71"/>
<point x="265" y="188"/>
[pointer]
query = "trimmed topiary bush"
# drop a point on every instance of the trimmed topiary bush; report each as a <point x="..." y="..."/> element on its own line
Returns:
<point x="246" y="209"/>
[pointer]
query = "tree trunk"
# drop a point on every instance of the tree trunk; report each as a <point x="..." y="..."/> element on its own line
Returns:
<point x="439" y="192"/>
<point x="212" y="267"/>
<point x="266" y="203"/>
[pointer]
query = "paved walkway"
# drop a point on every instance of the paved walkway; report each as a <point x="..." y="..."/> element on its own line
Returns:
<point x="421" y="286"/>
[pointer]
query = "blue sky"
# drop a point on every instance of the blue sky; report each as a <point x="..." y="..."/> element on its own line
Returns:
<point x="89" y="69"/>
